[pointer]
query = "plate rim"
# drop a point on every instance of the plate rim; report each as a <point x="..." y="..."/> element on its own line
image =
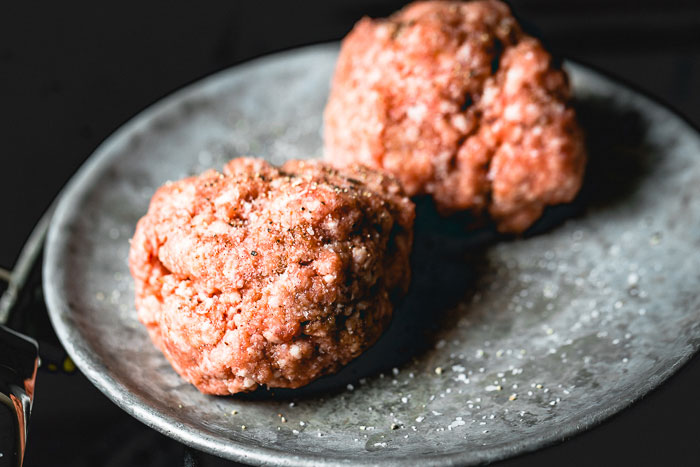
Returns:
<point x="133" y="404"/>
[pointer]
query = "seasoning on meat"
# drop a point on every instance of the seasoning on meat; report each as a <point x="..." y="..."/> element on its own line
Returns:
<point x="267" y="276"/>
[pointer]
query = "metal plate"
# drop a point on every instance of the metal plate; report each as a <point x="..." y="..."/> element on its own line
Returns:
<point x="503" y="345"/>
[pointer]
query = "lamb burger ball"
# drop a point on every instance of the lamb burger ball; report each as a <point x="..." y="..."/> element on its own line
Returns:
<point x="457" y="102"/>
<point x="270" y="276"/>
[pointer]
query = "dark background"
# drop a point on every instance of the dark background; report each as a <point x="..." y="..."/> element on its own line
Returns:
<point x="71" y="74"/>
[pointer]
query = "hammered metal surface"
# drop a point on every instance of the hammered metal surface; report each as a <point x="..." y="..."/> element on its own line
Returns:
<point x="502" y="345"/>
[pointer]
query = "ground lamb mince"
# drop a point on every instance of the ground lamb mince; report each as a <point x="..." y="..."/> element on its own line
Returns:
<point x="266" y="276"/>
<point x="458" y="103"/>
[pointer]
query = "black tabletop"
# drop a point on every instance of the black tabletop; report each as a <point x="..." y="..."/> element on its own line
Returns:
<point x="72" y="74"/>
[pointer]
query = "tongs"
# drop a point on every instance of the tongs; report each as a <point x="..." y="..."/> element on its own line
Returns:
<point x="19" y="356"/>
<point x="19" y="359"/>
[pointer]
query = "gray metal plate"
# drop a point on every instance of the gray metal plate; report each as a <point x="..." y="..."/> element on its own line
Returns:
<point x="503" y="345"/>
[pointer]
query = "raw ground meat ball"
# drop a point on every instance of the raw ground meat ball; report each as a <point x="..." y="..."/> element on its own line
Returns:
<point x="457" y="102"/>
<point x="266" y="276"/>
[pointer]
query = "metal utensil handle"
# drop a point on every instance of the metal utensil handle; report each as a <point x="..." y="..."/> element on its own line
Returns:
<point x="18" y="364"/>
<point x="19" y="355"/>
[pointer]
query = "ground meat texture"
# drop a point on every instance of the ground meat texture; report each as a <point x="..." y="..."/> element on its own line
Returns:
<point x="458" y="103"/>
<point x="266" y="276"/>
